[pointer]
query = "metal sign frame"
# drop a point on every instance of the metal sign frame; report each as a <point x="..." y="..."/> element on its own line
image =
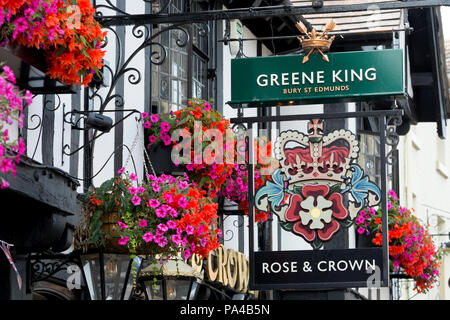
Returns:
<point x="386" y="134"/>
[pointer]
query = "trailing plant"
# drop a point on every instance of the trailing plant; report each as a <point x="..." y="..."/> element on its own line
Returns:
<point x="65" y="29"/>
<point x="165" y="215"/>
<point x="12" y="102"/>
<point x="411" y="248"/>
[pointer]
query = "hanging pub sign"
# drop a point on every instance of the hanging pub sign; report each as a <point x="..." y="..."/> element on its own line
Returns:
<point x="316" y="78"/>
<point x="318" y="190"/>
<point x="316" y="173"/>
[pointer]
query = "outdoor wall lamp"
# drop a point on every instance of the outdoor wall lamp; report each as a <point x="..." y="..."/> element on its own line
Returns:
<point x="99" y="122"/>
<point x="109" y="276"/>
<point x="172" y="280"/>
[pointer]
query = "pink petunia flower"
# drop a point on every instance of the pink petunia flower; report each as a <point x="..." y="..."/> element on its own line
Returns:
<point x="152" y="139"/>
<point x="187" y="253"/>
<point x="171" y="224"/>
<point x="165" y="127"/>
<point x="144" y="115"/>
<point x="143" y="223"/>
<point x="136" y="200"/>
<point x="162" y="227"/>
<point x="154" y="118"/>
<point x="140" y="190"/>
<point x="156" y="187"/>
<point x="119" y="172"/>
<point x="160" y="213"/>
<point x="147" y="125"/>
<point x="176" y="238"/>
<point x="189" y="229"/>
<point x="123" y="241"/>
<point x="183" y="185"/>
<point x="148" y="236"/>
<point x="154" y="203"/>
<point x="182" y="202"/>
<point x="133" y="177"/>
<point x="122" y="225"/>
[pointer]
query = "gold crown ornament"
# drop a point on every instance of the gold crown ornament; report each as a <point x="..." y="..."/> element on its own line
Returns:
<point x="315" y="41"/>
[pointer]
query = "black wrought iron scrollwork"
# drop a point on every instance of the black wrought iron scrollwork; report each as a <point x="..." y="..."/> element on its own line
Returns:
<point x="109" y="6"/>
<point x="47" y="103"/>
<point x="392" y="138"/>
<point x="43" y="266"/>
<point x="139" y="292"/>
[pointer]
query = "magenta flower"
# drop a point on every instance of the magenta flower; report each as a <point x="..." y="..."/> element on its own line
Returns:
<point x="160" y="213"/>
<point x="176" y="239"/>
<point x="168" y="197"/>
<point x="162" y="227"/>
<point x="119" y="172"/>
<point x="182" y="202"/>
<point x="183" y="185"/>
<point x="156" y="187"/>
<point x="173" y="212"/>
<point x="389" y="206"/>
<point x="143" y="223"/>
<point x="154" y="203"/>
<point x="161" y="241"/>
<point x="204" y="241"/>
<point x="132" y="190"/>
<point x="133" y="177"/>
<point x="122" y="225"/>
<point x="165" y="127"/>
<point x="152" y="139"/>
<point x="5" y="184"/>
<point x="361" y="230"/>
<point x="148" y="236"/>
<point x="140" y="190"/>
<point x="144" y="115"/>
<point x="123" y="241"/>
<point x="147" y="125"/>
<point x="154" y="118"/>
<point x="189" y="229"/>
<point x="9" y="73"/>
<point x="187" y="253"/>
<point x="136" y="200"/>
<point x="171" y="224"/>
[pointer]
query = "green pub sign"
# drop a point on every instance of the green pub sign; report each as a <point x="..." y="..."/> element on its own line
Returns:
<point x="348" y="76"/>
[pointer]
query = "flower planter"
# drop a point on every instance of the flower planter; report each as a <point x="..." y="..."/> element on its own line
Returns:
<point x="161" y="161"/>
<point x="364" y="240"/>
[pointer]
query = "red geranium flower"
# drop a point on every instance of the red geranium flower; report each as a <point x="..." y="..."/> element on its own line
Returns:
<point x="314" y="213"/>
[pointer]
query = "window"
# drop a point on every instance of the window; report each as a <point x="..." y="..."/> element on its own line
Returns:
<point x="184" y="71"/>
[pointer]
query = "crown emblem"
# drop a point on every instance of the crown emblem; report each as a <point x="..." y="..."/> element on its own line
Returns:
<point x="315" y="158"/>
<point x="315" y="41"/>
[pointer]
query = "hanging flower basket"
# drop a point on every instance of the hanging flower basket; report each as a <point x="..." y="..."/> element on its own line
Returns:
<point x="67" y="34"/>
<point x="364" y="240"/>
<point x="160" y="160"/>
<point x="412" y="252"/>
<point x="165" y="215"/>
<point x="12" y="102"/>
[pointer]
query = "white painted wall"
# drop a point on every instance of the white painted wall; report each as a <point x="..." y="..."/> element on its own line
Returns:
<point x="425" y="186"/>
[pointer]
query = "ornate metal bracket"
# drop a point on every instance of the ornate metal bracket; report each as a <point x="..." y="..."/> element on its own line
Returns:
<point x="43" y="266"/>
<point x="392" y="138"/>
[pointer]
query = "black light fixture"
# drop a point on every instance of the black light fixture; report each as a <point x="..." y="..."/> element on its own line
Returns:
<point x="109" y="276"/>
<point x="172" y="280"/>
<point x="99" y="122"/>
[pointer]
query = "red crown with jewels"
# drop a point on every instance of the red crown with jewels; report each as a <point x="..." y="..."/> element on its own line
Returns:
<point x="315" y="158"/>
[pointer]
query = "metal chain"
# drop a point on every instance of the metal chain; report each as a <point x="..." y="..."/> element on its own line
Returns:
<point x="147" y="157"/>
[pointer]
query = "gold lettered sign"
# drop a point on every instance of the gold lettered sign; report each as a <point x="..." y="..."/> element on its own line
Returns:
<point x="226" y="266"/>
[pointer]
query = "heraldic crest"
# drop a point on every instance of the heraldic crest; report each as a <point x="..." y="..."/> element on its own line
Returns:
<point x="318" y="187"/>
